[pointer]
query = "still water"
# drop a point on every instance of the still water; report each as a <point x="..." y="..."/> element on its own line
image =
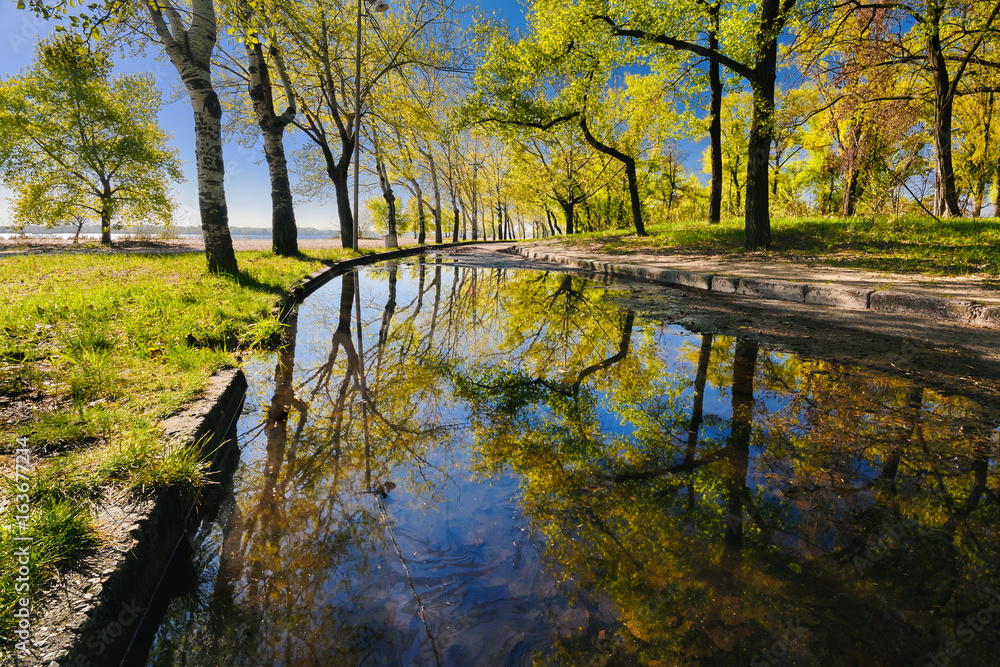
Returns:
<point x="450" y="465"/>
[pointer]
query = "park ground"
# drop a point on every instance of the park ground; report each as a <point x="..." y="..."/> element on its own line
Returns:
<point x="98" y="346"/>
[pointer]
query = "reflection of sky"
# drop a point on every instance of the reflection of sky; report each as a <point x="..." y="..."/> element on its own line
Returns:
<point x="458" y="546"/>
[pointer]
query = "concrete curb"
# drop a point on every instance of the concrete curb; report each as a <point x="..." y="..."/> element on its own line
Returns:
<point x="95" y="622"/>
<point x="335" y="268"/>
<point x="837" y="296"/>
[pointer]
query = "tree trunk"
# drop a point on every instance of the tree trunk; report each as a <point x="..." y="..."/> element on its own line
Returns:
<point x="851" y="192"/>
<point x="715" y="125"/>
<point x="421" y="216"/>
<point x="438" y="235"/>
<point x="338" y="172"/>
<point x="284" y="235"/>
<point x="549" y="220"/>
<point x="79" y="220"/>
<point x="633" y="180"/>
<point x="758" y="215"/>
<point x="106" y="207"/>
<point x="465" y="221"/>
<point x="567" y="207"/>
<point x="211" y="180"/>
<point x="697" y="410"/>
<point x="391" y="241"/>
<point x="474" y="206"/>
<point x="757" y="230"/>
<point x="738" y="445"/>
<point x="774" y="175"/>
<point x="190" y="51"/>
<point x="941" y="130"/>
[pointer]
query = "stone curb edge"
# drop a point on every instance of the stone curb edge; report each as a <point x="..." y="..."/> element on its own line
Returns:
<point x="838" y="296"/>
<point x="334" y="268"/>
<point x="97" y="633"/>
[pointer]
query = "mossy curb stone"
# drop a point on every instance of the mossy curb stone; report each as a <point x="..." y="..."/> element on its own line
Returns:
<point x="91" y="618"/>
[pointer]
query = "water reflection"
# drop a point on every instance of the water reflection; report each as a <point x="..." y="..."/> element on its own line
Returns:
<point x="452" y="465"/>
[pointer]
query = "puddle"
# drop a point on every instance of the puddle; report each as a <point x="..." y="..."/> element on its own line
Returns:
<point x="502" y="466"/>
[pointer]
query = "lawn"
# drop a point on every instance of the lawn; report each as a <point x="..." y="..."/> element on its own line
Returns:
<point x="949" y="247"/>
<point x="94" y="351"/>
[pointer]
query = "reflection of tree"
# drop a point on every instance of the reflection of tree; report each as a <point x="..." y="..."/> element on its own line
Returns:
<point x="711" y="491"/>
<point x="697" y="410"/>
<point x="738" y="447"/>
<point x="697" y="577"/>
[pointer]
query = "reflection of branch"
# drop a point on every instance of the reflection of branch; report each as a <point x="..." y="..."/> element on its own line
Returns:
<point x="623" y="347"/>
<point x="402" y="429"/>
<point x="601" y="526"/>
<point x="409" y="578"/>
<point x="687" y="466"/>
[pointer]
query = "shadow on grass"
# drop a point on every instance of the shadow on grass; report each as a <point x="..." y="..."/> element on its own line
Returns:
<point x="245" y="280"/>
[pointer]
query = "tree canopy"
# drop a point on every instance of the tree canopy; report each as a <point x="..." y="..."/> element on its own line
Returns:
<point x="76" y="142"/>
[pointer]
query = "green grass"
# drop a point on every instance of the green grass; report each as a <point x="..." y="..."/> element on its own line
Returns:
<point x="911" y="244"/>
<point x="94" y="351"/>
<point x="61" y="531"/>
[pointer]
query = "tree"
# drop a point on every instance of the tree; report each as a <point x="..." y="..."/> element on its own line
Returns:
<point x="868" y="109"/>
<point x="548" y="78"/>
<point x="975" y="148"/>
<point x="758" y="66"/>
<point x="734" y="128"/>
<point x="556" y="164"/>
<point x="189" y="48"/>
<point x="76" y="144"/>
<point x="938" y="44"/>
<point x="284" y="235"/>
<point x="314" y="40"/>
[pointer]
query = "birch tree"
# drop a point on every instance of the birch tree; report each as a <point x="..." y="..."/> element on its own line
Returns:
<point x="189" y="43"/>
<point x="187" y="33"/>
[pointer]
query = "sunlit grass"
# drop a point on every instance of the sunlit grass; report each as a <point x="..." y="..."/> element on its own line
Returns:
<point x="909" y="244"/>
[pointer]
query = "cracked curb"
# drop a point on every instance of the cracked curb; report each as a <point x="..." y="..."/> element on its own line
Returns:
<point x="832" y="295"/>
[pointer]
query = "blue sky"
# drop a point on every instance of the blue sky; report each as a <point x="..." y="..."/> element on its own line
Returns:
<point x="247" y="184"/>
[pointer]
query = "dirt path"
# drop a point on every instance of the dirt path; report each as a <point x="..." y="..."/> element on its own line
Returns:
<point x="762" y="266"/>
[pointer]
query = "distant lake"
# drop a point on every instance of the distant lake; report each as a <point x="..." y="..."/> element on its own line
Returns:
<point x="116" y="236"/>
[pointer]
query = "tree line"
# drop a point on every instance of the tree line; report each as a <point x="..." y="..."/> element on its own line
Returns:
<point x="576" y="121"/>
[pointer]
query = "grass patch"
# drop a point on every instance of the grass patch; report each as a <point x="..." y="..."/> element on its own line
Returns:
<point x="909" y="244"/>
<point x="94" y="351"/>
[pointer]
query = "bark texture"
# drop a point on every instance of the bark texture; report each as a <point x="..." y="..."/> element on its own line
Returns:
<point x="715" y="124"/>
<point x="284" y="234"/>
<point x="190" y="52"/>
